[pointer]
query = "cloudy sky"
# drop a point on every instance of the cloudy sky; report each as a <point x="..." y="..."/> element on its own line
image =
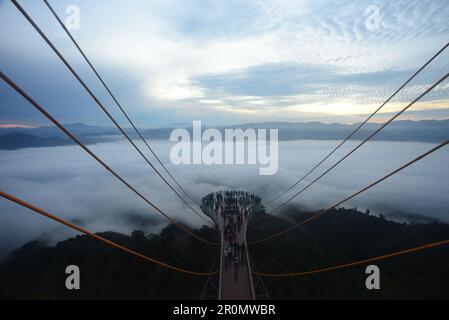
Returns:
<point x="228" y="61"/>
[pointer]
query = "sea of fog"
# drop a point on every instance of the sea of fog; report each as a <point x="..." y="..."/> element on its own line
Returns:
<point x="68" y="182"/>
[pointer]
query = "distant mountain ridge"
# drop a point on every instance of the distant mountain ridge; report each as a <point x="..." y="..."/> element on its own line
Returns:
<point x="12" y="141"/>
<point x="404" y="130"/>
<point x="42" y="137"/>
<point x="53" y="131"/>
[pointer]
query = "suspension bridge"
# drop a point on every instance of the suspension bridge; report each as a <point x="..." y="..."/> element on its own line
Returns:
<point x="229" y="213"/>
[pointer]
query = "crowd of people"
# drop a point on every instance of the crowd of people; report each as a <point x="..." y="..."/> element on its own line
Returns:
<point x="234" y="250"/>
<point x="212" y="202"/>
<point x="234" y="207"/>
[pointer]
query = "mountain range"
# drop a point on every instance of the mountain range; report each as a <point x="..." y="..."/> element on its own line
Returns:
<point x="404" y="130"/>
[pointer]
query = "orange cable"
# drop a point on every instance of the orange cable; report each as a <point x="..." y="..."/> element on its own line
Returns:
<point x="356" y="263"/>
<point x="92" y="154"/>
<point x="97" y="237"/>
<point x="102" y="107"/>
<point x="319" y="213"/>
<point x="361" y="124"/>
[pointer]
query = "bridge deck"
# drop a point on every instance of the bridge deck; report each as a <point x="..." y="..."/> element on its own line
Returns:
<point x="235" y="278"/>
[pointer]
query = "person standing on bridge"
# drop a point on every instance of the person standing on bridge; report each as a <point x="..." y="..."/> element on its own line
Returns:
<point x="236" y="268"/>
<point x="242" y="252"/>
<point x="226" y="258"/>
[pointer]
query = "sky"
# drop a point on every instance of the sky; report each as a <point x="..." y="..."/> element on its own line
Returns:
<point x="227" y="62"/>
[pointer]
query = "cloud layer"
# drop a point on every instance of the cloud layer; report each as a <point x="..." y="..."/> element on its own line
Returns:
<point x="67" y="182"/>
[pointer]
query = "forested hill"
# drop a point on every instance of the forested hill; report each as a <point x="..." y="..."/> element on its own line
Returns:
<point x="344" y="235"/>
<point x="36" y="271"/>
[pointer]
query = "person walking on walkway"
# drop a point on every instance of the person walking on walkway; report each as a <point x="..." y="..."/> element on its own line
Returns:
<point x="226" y="257"/>
<point x="236" y="268"/>
<point x="242" y="252"/>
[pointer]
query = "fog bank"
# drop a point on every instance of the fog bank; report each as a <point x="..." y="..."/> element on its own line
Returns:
<point x="67" y="182"/>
